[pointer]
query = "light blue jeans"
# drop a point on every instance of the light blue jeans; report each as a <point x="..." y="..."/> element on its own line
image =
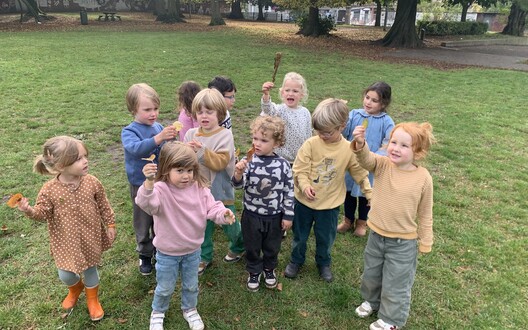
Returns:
<point x="388" y="276"/>
<point x="167" y="270"/>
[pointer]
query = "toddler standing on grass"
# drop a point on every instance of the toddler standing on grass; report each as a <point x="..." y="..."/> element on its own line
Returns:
<point x="177" y="196"/>
<point x="400" y="219"/>
<point x="81" y="223"/>
<point x="319" y="183"/>
<point x="376" y="99"/>
<point x="141" y="139"/>
<point x="215" y="148"/>
<point x="268" y="201"/>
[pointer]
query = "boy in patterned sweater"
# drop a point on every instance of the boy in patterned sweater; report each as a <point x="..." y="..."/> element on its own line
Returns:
<point x="268" y="200"/>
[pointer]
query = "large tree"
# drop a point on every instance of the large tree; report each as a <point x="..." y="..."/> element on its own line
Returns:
<point x="216" y="17"/>
<point x="403" y="30"/>
<point x="236" y="10"/>
<point x="33" y="10"/>
<point x="517" y="18"/>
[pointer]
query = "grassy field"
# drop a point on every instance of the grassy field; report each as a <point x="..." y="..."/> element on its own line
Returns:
<point x="74" y="82"/>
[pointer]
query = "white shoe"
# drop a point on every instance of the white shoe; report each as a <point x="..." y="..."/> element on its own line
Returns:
<point x="193" y="318"/>
<point x="381" y="325"/>
<point x="364" y="310"/>
<point x="156" y="320"/>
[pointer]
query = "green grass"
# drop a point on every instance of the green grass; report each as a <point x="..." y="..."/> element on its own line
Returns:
<point x="75" y="82"/>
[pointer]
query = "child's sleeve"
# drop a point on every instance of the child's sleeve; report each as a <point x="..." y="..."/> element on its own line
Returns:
<point x="214" y="160"/>
<point x="360" y="175"/>
<point x="148" y="200"/>
<point x="135" y="145"/>
<point x="43" y="209"/>
<point x="301" y="167"/>
<point x="425" y="218"/>
<point x="267" y="108"/>
<point x="288" y="193"/>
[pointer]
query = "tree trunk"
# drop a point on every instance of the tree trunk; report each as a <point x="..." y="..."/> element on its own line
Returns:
<point x="173" y="12"/>
<point x="159" y="7"/>
<point x="516" y="21"/>
<point x="260" y="5"/>
<point x="33" y="10"/>
<point x="216" y="18"/>
<point x="465" y="7"/>
<point x="403" y="31"/>
<point x="311" y="29"/>
<point x="236" y="10"/>
<point x="378" y="13"/>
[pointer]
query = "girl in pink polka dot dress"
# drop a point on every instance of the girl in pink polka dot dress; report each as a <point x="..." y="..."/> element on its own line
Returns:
<point x="81" y="222"/>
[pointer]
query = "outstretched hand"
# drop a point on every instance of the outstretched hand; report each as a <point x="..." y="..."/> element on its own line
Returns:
<point x="149" y="171"/>
<point x="240" y="167"/>
<point x="24" y="206"/>
<point x="359" y="135"/>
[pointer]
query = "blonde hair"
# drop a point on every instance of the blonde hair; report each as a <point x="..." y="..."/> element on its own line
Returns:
<point x="421" y="135"/>
<point x="330" y="114"/>
<point x="294" y="76"/>
<point x="135" y="91"/>
<point x="212" y="99"/>
<point x="271" y="127"/>
<point x="178" y="154"/>
<point x="57" y="153"/>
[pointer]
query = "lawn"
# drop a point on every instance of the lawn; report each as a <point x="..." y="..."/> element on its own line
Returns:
<point x="73" y="81"/>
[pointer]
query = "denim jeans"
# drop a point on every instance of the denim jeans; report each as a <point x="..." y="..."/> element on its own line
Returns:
<point x="388" y="276"/>
<point x="167" y="270"/>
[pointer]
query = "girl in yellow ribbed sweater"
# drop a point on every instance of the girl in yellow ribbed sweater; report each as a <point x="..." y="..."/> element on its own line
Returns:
<point x="400" y="219"/>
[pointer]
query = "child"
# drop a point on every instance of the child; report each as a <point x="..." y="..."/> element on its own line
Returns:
<point x="141" y="139"/>
<point x="186" y="93"/>
<point x="215" y="148"/>
<point x="319" y="183"/>
<point x="180" y="202"/>
<point x="268" y="201"/>
<point x="376" y="99"/>
<point x="401" y="214"/>
<point x="81" y="223"/>
<point x="296" y="117"/>
<point x="228" y="90"/>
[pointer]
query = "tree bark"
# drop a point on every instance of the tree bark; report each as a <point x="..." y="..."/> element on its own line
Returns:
<point x="378" y="13"/>
<point x="173" y="11"/>
<point x="260" y="5"/>
<point x="465" y="7"/>
<point x="403" y="31"/>
<point x="236" y="10"/>
<point x="516" y="21"/>
<point x="216" y="18"/>
<point x="311" y="29"/>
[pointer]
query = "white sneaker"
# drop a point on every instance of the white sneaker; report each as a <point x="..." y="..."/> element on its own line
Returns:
<point x="364" y="310"/>
<point x="193" y="318"/>
<point x="381" y="325"/>
<point x="156" y="320"/>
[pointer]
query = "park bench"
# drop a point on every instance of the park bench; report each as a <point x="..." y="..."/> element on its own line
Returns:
<point x="109" y="16"/>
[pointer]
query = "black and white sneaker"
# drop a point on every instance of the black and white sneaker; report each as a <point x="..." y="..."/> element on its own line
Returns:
<point x="253" y="282"/>
<point x="270" y="278"/>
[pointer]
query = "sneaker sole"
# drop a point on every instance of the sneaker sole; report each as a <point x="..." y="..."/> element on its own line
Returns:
<point x="271" y="286"/>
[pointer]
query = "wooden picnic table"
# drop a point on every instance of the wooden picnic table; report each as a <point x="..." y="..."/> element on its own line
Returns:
<point x="109" y="16"/>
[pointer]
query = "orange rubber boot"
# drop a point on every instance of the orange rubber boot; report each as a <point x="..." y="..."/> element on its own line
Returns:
<point x="94" y="307"/>
<point x="73" y="295"/>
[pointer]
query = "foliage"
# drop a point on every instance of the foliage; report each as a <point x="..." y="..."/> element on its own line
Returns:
<point x="445" y="28"/>
<point x="325" y="25"/>
<point x="305" y="4"/>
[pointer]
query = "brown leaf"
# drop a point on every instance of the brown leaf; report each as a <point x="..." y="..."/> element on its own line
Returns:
<point x="279" y="287"/>
<point x="122" y="321"/>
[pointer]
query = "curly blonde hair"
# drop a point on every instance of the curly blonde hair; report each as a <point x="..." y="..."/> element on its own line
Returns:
<point x="271" y="127"/>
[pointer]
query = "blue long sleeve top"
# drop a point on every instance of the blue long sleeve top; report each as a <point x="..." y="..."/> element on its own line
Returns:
<point x="138" y="142"/>
<point x="379" y="129"/>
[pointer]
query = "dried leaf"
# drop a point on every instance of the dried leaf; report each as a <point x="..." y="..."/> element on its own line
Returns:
<point x="249" y="155"/>
<point x="150" y="159"/>
<point x="14" y="200"/>
<point x="177" y="125"/>
<point x="237" y="152"/>
<point x="365" y="123"/>
<point x="122" y="321"/>
<point x="4" y="228"/>
<point x="279" y="287"/>
<point x="209" y="284"/>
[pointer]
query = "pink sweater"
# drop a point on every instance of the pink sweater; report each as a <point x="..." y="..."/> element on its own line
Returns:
<point x="180" y="215"/>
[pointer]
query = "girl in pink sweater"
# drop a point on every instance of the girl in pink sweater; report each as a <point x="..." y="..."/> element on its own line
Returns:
<point x="176" y="195"/>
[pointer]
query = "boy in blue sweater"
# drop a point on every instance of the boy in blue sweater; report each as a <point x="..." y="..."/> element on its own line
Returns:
<point x="141" y="139"/>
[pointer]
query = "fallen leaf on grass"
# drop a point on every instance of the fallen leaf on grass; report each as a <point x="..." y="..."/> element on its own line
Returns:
<point x="209" y="284"/>
<point x="304" y="314"/>
<point x="279" y="287"/>
<point x="122" y="321"/>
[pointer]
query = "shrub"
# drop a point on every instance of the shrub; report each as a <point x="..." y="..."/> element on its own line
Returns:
<point x="444" y="28"/>
<point x="326" y="24"/>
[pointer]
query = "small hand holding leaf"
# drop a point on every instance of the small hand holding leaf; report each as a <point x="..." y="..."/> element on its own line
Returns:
<point x="150" y="158"/>
<point x="177" y="126"/>
<point x="365" y="123"/>
<point x="14" y="200"/>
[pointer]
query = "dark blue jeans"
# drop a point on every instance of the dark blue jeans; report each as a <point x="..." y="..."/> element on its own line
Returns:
<point x="324" y="224"/>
